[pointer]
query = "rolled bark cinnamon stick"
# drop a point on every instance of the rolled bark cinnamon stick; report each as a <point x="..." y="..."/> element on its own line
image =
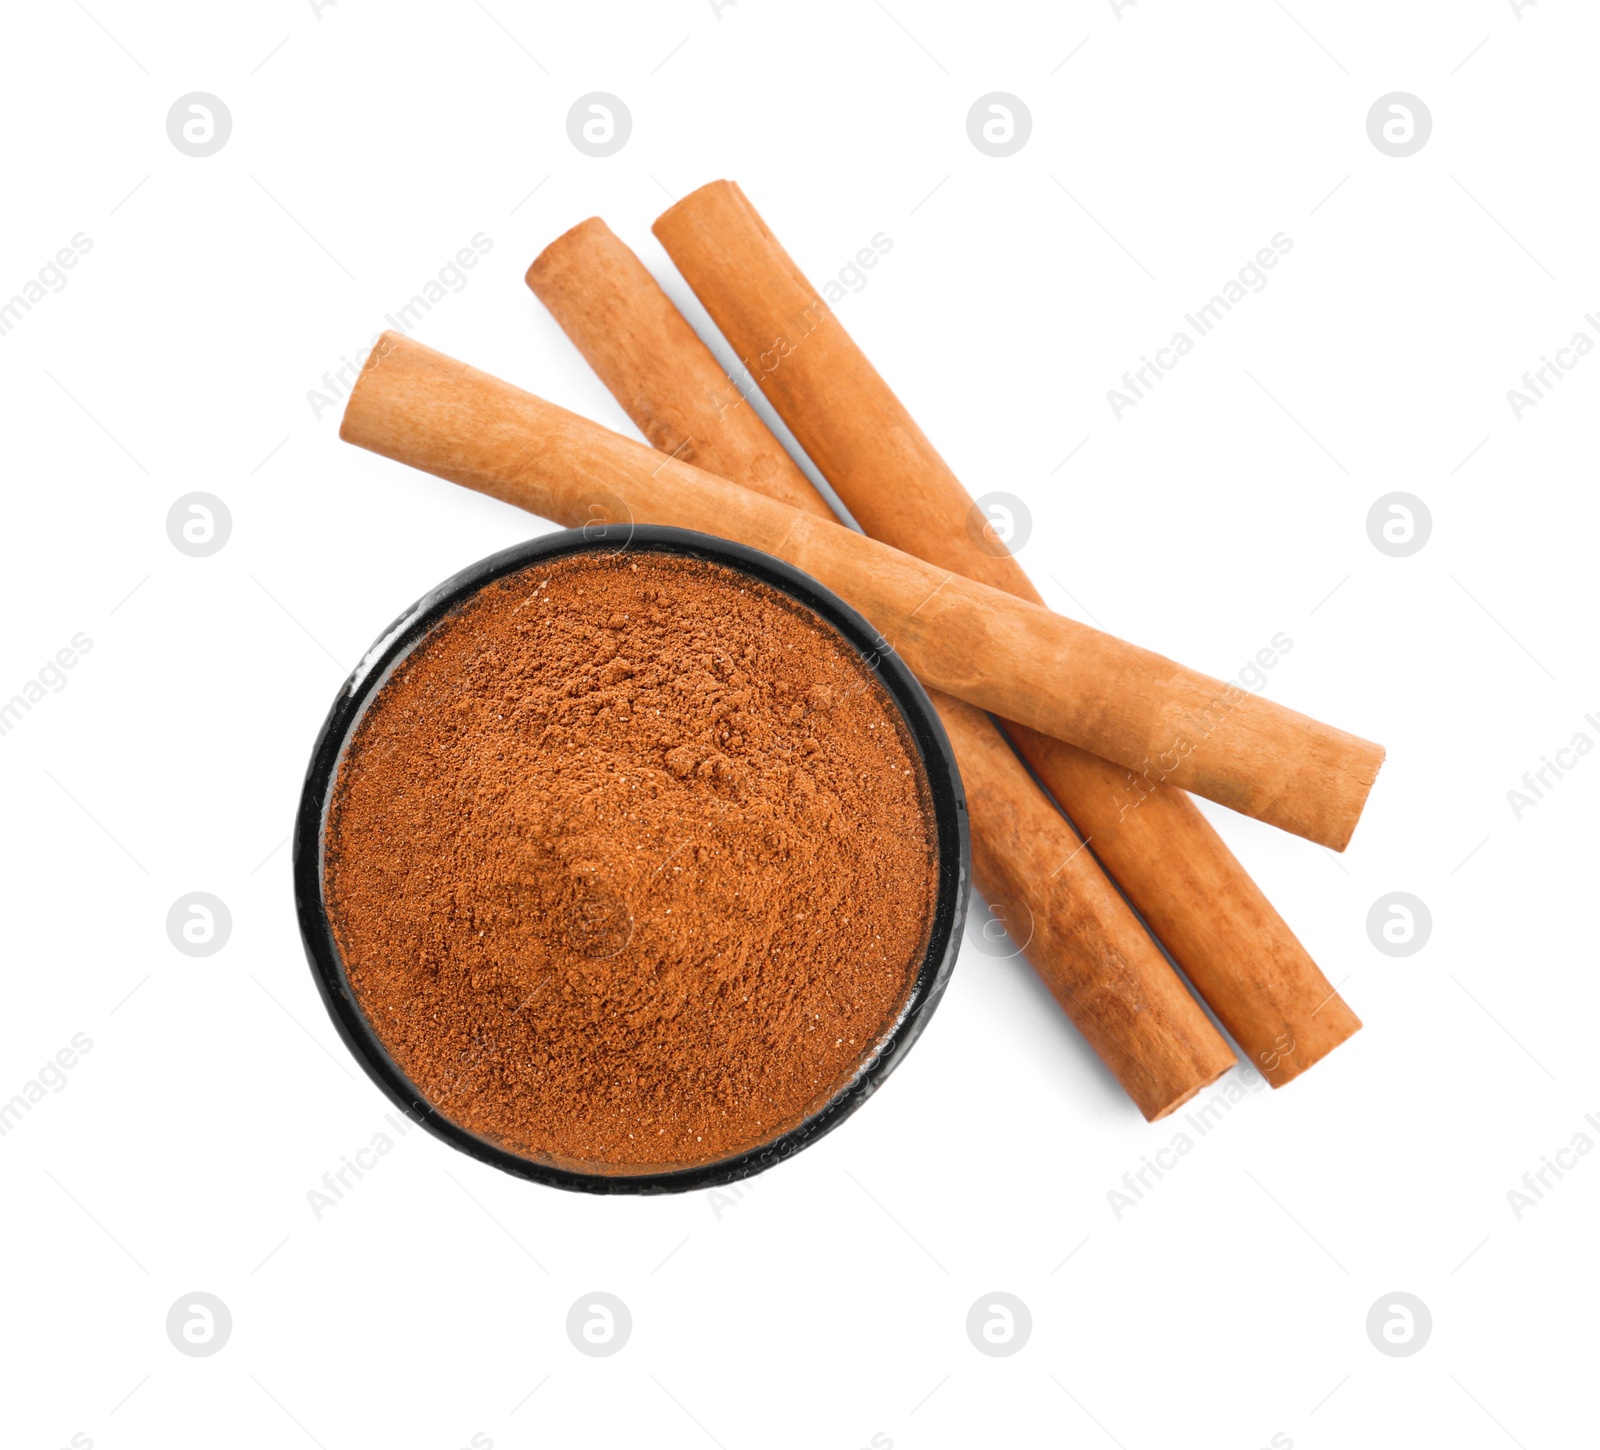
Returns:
<point x="1237" y="951"/>
<point x="977" y="643"/>
<point x="1067" y="919"/>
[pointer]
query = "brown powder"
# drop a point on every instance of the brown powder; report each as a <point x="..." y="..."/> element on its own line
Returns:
<point x="630" y="863"/>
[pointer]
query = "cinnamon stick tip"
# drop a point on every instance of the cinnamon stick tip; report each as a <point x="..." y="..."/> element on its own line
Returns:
<point x="388" y="342"/>
<point x="1156" y="1113"/>
<point x="682" y="203"/>
<point x="1293" y="1064"/>
<point x="1376" y="756"/>
<point x="588" y="227"/>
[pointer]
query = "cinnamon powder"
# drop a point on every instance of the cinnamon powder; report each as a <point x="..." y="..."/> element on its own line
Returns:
<point x="630" y="863"/>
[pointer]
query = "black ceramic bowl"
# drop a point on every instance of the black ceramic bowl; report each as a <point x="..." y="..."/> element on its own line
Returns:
<point x="411" y="628"/>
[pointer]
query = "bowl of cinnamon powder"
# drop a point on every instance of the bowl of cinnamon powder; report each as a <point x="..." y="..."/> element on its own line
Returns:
<point x="631" y="863"/>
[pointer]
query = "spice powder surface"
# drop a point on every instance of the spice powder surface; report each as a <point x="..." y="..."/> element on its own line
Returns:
<point x="630" y="863"/>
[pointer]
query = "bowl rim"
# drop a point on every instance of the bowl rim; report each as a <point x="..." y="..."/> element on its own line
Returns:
<point x="949" y="810"/>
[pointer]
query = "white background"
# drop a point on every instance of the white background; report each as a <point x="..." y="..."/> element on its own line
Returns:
<point x="827" y="1304"/>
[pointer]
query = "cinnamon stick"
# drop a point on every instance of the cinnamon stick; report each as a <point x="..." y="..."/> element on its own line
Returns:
<point x="1237" y="951"/>
<point x="980" y="644"/>
<point x="1068" y="920"/>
